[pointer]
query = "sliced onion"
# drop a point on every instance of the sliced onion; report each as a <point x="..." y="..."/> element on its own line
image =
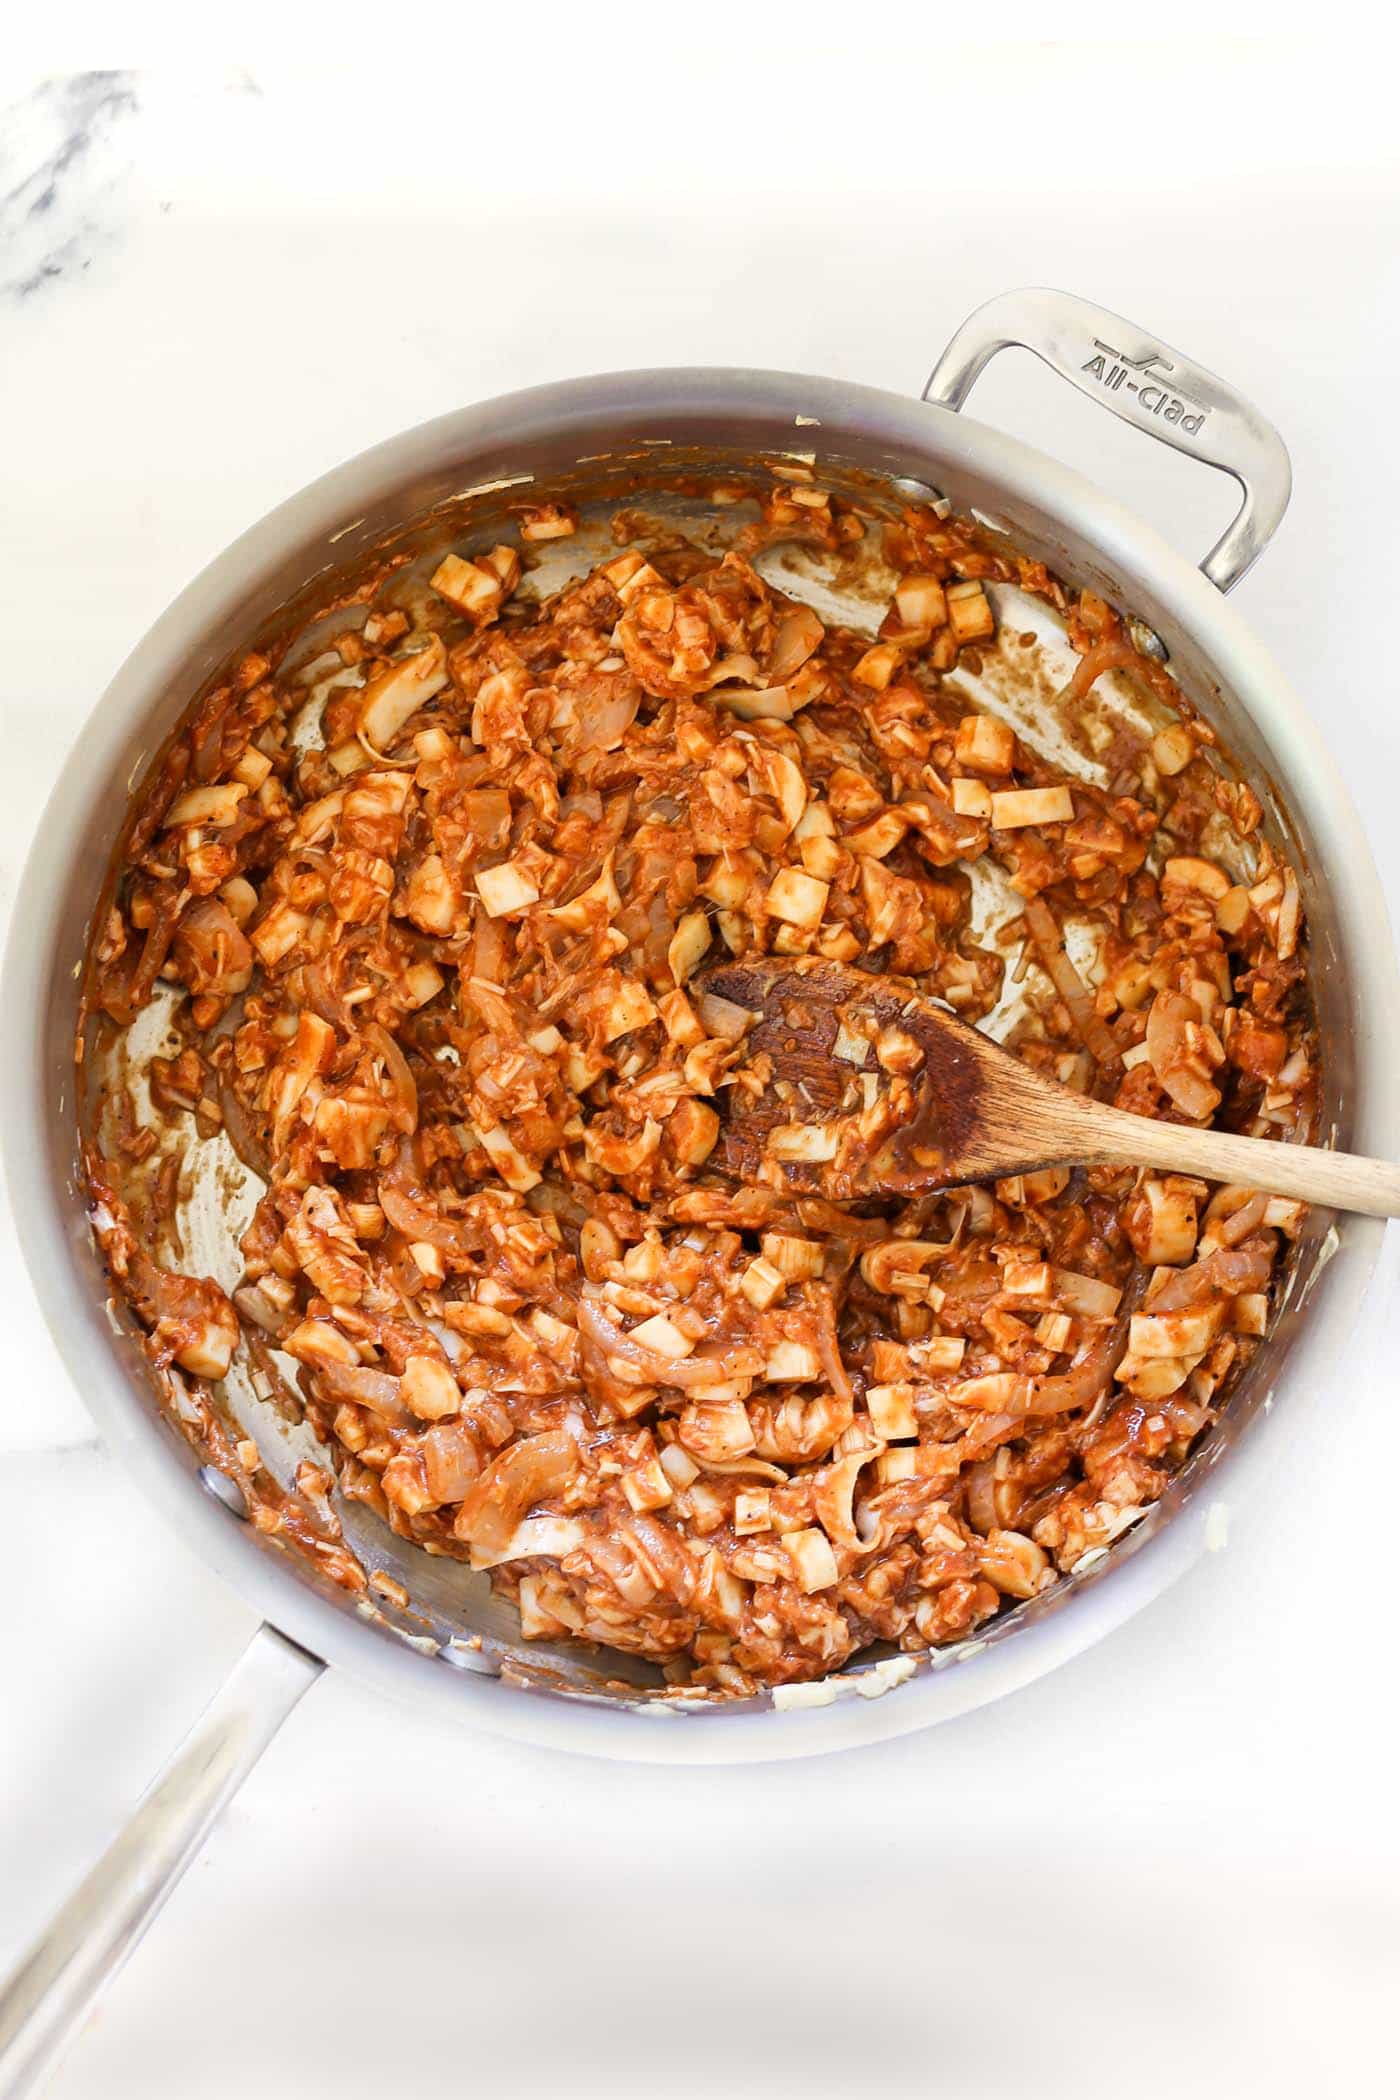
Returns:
<point x="558" y="1201"/>
<point x="617" y="1559"/>
<point x="212" y="950"/>
<point x="800" y="1431"/>
<point x="403" y="1089"/>
<point x="493" y="1005"/>
<point x="206" y="736"/>
<point x="376" y="1390"/>
<point x="258" y="1311"/>
<point x="124" y="998"/>
<point x="979" y="1486"/>
<point x="1082" y="1384"/>
<point x="602" y="724"/>
<point x="833" y="1499"/>
<point x="1050" y="942"/>
<point x="320" y="995"/>
<point x="741" y="1468"/>
<point x="798" y="634"/>
<point x="1104" y="656"/>
<point x="829" y="1348"/>
<point x="1241" y="1269"/>
<point x="712" y="1368"/>
<point x="661" y="927"/>
<point x="1241" y="1223"/>
<point x="1168" y="1018"/>
<point x="411" y="1210"/>
<point x="1229" y="1272"/>
<point x="451" y="1461"/>
<point x="537" y="1538"/>
<point x="982" y="1437"/>
<point x="489" y="949"/>
<point x="487" y="812"/>
<point x="752" y="1209"/>
<point x="520" y="1476"/>
<point x="1192" y="1094"/>
<point x="167" y="1295"/>
<point x="732" y="668"/>
<point x="662" y="1554"/>
<point x="248" y="1139"/>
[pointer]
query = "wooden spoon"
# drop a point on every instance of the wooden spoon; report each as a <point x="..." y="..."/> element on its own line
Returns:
<point x="957" y="1107"/>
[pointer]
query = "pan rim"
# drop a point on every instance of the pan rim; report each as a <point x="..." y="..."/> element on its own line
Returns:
<point x="51" y="1225"/>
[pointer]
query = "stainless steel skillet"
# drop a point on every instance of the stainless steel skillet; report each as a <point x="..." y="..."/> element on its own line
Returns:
<point x="457" y="474"/>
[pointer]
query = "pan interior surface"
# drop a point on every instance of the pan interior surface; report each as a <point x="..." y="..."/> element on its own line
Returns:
<point x="451" y="1617"/>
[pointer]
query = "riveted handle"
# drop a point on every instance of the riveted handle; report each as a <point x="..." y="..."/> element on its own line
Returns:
<point x="50" y="1994"/>
<point x="1145" y="383"/>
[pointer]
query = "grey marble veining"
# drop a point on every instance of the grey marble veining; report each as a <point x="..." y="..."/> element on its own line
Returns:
<point x="63" y="156"/>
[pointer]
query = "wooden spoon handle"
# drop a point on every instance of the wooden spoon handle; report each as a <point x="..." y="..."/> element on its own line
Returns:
<point x="1341" y="1180"/>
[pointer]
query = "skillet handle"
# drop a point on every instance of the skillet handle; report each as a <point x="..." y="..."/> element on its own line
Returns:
<point x="49" y="1995"/>
<point x="1152" y="387"/>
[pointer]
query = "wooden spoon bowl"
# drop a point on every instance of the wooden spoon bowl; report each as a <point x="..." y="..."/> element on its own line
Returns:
<point x="869" y="1088"/>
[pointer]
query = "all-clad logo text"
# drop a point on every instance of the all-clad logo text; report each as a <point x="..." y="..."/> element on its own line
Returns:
<point x="1113" y="369"/>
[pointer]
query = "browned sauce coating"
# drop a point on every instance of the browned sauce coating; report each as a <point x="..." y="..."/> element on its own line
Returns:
<point x="439" y="966"/>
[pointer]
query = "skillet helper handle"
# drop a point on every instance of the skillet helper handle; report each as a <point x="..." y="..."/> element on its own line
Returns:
<point x="1144" y="383"/>
<point x="49" y="1995"/>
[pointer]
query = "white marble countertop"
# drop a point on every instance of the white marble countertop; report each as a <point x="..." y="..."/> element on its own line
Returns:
<point x="1182" y="1850"/>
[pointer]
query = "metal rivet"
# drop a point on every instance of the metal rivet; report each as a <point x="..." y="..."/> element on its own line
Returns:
<point x="463" y="1656"/>
<point x="224" y="1490"/>
<point x="1147" y="641"/>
